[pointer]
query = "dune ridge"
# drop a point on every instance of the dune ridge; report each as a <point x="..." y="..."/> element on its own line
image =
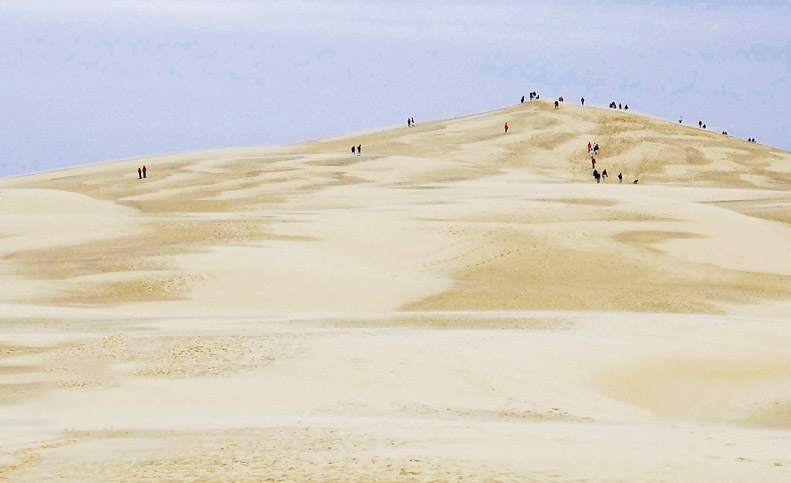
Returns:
<point x="454" y="303"/>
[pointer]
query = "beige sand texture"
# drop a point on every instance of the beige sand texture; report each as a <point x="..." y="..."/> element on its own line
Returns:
<point x="456" y="303"/>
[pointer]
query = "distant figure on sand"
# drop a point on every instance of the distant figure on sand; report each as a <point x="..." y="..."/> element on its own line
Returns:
<point x="505" y="127"/>
<point x="596" y="176"/>
<point x="144" y="170"/>
<point x="582" y="101"/>
<point x="353" y="150"/>
<point x="603" y="174"/>
<point x="556" y="104"/>
<point x="680" y="119"/>
<point x="593" y="162"/>
<point x="704" y="126"/>
<point x="590" y="148"/>
<point x="359" y="149"/>
<point x="626" y="107"/>
<point x="700" y="124"/>
<point x="409" y="122"/>
<point x="413" y="121"/>
<point x="619" y="106"/>
<point x="620" y="177"/>
<point x="595" y="148"/>
<point x="139" y="173"/>
<point x="635" y="181"/>
<point x="523" y="100"/>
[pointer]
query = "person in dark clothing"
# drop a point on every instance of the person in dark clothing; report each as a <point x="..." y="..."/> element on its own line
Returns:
<point x="704" y="126"/>
<point x="596" y="176"/>
<point x="139" y="173"/>
<point x="523" y="100"/>
<point x="556" y="104"/>
<point x="409" y="122"/>
<point x="413" y="121"/>
<point x="620" y="177"/>
<point x="359" y="149"/>
<point x="582" y="101"/>
<point x="603" y="175"/>
<point x="593" y="162"/>
<point x="353" y="150"/>
<point x="144" y="170"/>
<point x="619" y="106"/>
<point x="596" y="148"/>
<point x="626" y="107"/>
<point x="700" y="124"/>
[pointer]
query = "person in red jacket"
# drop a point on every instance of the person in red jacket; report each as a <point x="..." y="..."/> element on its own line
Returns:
<point x="144" y="170"/>
<point x="593" y="162"/>
<point x="506" y="127"/>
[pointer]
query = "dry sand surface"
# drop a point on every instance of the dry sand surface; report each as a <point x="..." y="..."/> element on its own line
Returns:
<point x="454" y="304"/>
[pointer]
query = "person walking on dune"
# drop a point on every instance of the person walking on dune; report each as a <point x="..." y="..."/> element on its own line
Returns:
<point x="505" y="126"/>
<point x="582" y="101"/>
<point x="353" y="150"/>
<point x="590" y="148"/>
<point x="144" y="170"/>
<point x="604" y="175"/>
<point x="620" y="177"/>
<point x="593" y="162"/>
<point x="139" y="173"/>
<point x="359" y="149"/>
<point x="596" y="176"/>
<point x="523" y="100"/>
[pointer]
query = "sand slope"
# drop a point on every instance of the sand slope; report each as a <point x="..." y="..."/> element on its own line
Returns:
<point x="455" y="303"/>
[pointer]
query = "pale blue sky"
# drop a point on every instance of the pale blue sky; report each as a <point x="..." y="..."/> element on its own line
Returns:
<point x="89" y="81"/>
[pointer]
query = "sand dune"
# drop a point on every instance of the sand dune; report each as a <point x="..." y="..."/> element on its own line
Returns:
<point x="455" y="303"/>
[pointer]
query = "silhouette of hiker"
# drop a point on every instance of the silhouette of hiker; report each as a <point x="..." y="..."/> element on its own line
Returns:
<point x="596" y="176"/>
<point x="506" y="127"/>
<point x="144" y="170"/>
<point x="139" y="173"/>
<point x="620" y="177"/>
<point x="619" y="106"/>
<point x="704" y="126"/>
<point x="359" y="149"/>
<point x="409" y="122"/>
<point x="603" y="174"/>
<point x="593" y="162"/>
<point x="582" y="101"/>
<point x="700" y="124"/>
<point x="626" y="107"/>
<point x="595" y="148"/>
<point x="680" y="119"/>
<point x="523" y="100"/>
<point x="413" y="121"/>
<point x="556" y="104"/>
<point x="352" y="150"/>
<point x="590" y="148"/>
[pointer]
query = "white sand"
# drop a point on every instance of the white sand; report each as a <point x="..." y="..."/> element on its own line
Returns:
<point x="454" y="304"/>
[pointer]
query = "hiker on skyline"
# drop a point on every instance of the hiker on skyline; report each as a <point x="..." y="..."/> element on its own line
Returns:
<point x="582" y="101"/>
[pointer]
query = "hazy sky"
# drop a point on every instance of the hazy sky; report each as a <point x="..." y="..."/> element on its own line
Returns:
<point x="89" y="81"/>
